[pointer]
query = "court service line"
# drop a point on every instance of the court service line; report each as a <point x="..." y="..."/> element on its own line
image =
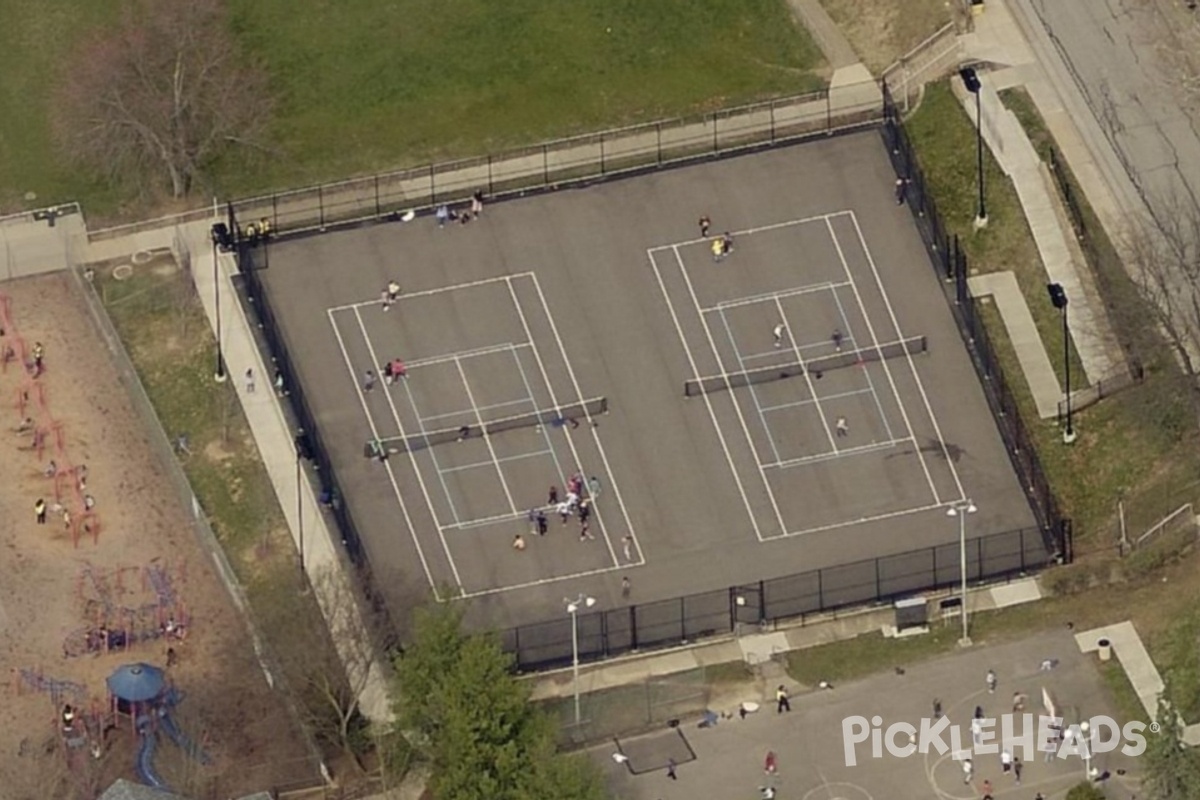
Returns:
<point x="834" y="396"/>
<point x="886" y="369"/>
<point x="412" y="531"/>
<point x="537" y="355"/>
<point x="845" y="452"/>
<point x="737" y="406"/>
<point x="911" y="364"/>
<point x="848" y="341"/>
<point x="612" y="478"/>
<point x="750" y="231"/>
<point x="412" y="457"/>
<point x="428" y="292"/>
<point x="505" y="459"/>
<point x="755" y="299"/>
<point x="753" y="392"/>
<point x="486" y="439"/>
<point x="541" y="428"/>
<point x="470" y="412"/>
<point x="904" y="512"/>
<point x="887" y="426"/>
<point x="478" y="351"/>
<point x="687" y="349"/>
<point x="812" y="390"/>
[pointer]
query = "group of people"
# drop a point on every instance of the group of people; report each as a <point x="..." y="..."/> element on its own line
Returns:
<point x="445" y="213"/>
<point x="721" y="245"/>
<point x="576" y="502"/>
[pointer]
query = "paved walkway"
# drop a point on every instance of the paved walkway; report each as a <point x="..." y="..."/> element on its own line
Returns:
<point x="998" y="41"/>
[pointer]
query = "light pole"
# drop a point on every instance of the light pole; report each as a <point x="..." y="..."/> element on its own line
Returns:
<point x="960" y="510"/>
<point x="1085" y="729"/>
<point x="1059" y="298"/>
<point x="220" y="238"/>
<point x="573" y="606"/>
<point x="970" y="80"/>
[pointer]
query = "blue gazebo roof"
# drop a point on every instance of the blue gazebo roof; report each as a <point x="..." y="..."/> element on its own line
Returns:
<point x="136" y="683"/>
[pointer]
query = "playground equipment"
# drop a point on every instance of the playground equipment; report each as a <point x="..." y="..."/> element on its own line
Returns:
<point x="142" y="693"/>
<point x="45" y="434"/>
<point x="115" y="625"/>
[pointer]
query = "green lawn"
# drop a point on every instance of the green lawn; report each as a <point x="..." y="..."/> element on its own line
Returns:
<point x="373" y="86"/>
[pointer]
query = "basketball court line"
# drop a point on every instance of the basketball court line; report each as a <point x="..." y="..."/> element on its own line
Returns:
<point x="412" y="531"/>
<point x="911" y="365"/>
<point x="875" y="341"/>
<point x="687" y="349"/>
<point x="737" y="407"/>
<point x="429" y="292"/>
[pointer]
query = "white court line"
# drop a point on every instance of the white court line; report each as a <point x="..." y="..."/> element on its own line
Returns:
<point x="556" y="579"/>
<point x="846" y="452"/>
<point x="834" y="396"/>
<point x="812" y="390"/>
<point x="737" y="478"/>
<point x="911" y="365"/>
<point x="486" y="439"/>
<point x="412" y="531"/>
<point x="762" y="417"/>
<point x="478" y="351"/>
<point x="480" y="464"/>
<point x="541" y="428"/>
<point x="886" y="369"/>
<point x="736" y="405"/>
<point x="811" y="346"/>
<point x="413" y="459"/>
<point x="748" y="231"/>
<point x="861" y="520"/>
<point x="762" y="298"/>
<point x="465" y="412"/>
<point x="427" y="292"/>
<point x="887" y="426"/>
<point x="612" y="478"/>
<point x="423" y="433"/>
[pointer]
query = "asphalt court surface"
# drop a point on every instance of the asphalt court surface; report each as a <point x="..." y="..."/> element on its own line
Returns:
<point x="608" y="292"/>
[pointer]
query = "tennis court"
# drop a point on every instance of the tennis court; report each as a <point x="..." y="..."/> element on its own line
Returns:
<point x="474" y="421"/>
<point x="589" y="333"/>
<point x="813" y="389"/>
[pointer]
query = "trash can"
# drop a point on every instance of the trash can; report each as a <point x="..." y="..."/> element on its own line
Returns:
<point x="1105" y="649"/>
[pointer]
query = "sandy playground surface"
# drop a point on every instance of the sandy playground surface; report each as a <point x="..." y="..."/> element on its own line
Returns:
<point x="145" y="565"/>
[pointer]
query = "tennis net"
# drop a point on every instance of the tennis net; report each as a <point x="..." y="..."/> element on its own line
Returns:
<point x="563" y="416"/>
<point x="732" y="380"/>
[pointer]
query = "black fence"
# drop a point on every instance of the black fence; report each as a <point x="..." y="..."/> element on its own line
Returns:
<point x="950" y="262"/>
<point x="670" y="623"/>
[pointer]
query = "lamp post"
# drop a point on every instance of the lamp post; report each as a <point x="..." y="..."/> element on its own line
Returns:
<point x="1085" y="729"/>
<point x="960" y="510"/>
<point x="970" y="80"/>
<point x="220" y="237"/>
<point x="1059" y="298"/>
<point x="573" y="606"/>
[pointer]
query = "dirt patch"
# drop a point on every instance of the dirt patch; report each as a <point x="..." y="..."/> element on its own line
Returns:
<point x="881" y="31"/>
<point x="143" y="566"/>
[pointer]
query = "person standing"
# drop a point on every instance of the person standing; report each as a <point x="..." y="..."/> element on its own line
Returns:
<point x="726" y="243"/>
<point x="250" y="381"/>
<point x="842" y="427"/>
<point x="937" y="708"/>
<point x="540" y="522"/>
<point x="477" y="204"/>
<point x="1017" y="767"/>
<point x="968" y="769"/>
<point x="1006" y="761"/>
<point x="718" y="251"/>
<point x="625" y="587"/>
<point x="552" y="496"/>
<point x="39" y="511"/>
<point x="393" y="292"/>
<point x="777" y="333"/>
<point x="705" y="222"/>
<point x="518" y="543"/>
<point x="991" y="681"/>
<point x="563" y="510"/>
<point x="627" y="547"/>
<point x="369" y="380"/>
<point x="782" y="703"/>
<point x="279" y="383"/>
<point x="671" y="769"/>
<point x="585" y="510"/>
<point x="594" y="487"/>
<point x="836" y="338"/>
<point x="39" y="353"/>
<point x="443" y="215"/>
<point x="585" y="532"/>
<point x="986" y="791"/>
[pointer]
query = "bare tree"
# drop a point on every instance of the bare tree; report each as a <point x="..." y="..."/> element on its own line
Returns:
<point x="1173" y="34"/>
<point x="330" y="667"/>
<point x="160" y="95"/>
<point x="1162" y="254"/>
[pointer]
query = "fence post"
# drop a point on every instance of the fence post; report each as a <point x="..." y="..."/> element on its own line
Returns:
<point x="545" y="166"/>
<point x="491" y="186"/>
<point x="828" y="112"/>
<point x="878" y="586"/>
<point x="432" y="187"/>
<point x="716" y="144"/>
<point x="762" y="602"/>
<point x="772" y="122"/>
<point x="820" y="589"/>
<point x="633" y="631"/>
<point x="377" y="195"/>
<point x="275" y="213"/>
<point x="321" y="207"/>
<point x="658" y="143"/>
<point x="602" y="153"/>
<point x="517" y="647"/>
<point x="682" y="621"/>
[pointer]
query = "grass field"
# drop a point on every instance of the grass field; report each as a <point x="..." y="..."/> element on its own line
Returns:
<point x="371" y="86"/>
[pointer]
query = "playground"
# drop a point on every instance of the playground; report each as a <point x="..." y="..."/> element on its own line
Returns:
<point x="109" y="605"/>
